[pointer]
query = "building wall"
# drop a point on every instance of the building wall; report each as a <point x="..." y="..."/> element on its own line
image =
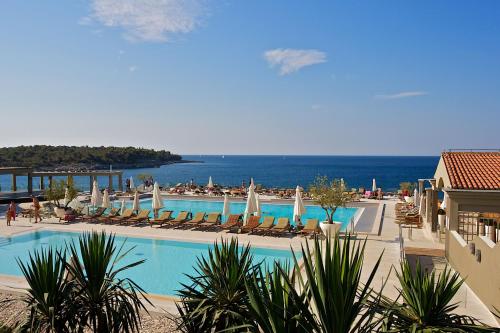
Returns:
<point x="484" y="276"/>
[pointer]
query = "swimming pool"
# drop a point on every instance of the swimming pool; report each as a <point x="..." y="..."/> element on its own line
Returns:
<point x="343" y="215"/>
<point x="163" y="272"/>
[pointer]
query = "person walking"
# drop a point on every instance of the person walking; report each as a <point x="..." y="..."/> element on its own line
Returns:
<point x="36" y="208"/>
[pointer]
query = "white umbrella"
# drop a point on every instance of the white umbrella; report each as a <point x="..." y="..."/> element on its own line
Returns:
<point x="75" y="204"/>
<point x="415" y="197"/>
<point x="105" y="200"/>
<point x="122" y="207"/>
<point x="132" y="186"/>
<point x="135" y="205"/>
<point x="298" y="207"/>
<point x="374" y="185"/>
<point x="157" y="202"/>
<point x="252" y="184"/>
<point x="210" y="182"/>
<point x="66" y="196"/>
<point x="342" y="184"/>
<point x="251" y="206"/>
<point x="259" y="208"/>
<point x="422" y="205"/>
<point x="225" y="207"/>
<point x="96" y="198"/>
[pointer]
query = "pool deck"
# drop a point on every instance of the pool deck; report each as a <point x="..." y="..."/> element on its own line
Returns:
<point x="376" y="224"/>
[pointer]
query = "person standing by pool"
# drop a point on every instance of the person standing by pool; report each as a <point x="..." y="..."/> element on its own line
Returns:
<point x="36" y="208"/>
<point x="11" y="212"/>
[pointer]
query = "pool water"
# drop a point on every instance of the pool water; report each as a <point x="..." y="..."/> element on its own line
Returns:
<point x="162" y="273"/>
<point x="343" y="215"/>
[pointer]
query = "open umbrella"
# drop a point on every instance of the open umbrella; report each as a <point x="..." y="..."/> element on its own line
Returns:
<point x="374" y="185"/>
<point x="298" y="207"/>
<point x="157" y="202"/>
<point x="210" y="182"/>
<point x="105" y="200"/>
<point x="135" y="204"/>
<point x="225" y="207"/>
<point x="251" y="206"/>
<point x="96" y="198"/>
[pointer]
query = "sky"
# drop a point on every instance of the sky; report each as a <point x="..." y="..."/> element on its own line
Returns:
<point x="252" y="77"/>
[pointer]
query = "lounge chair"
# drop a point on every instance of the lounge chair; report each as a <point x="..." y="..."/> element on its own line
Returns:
<point x="163" y="218"/>
<point x="127" y="213"/>
<point x="114" y="212"/>
<point x="233" y="220"/>
<point x="212" y="220"/>
<point x="143" y="216"/>
<point x="181" y="218"/>
<point x="311" y="227"/>
<point x="281" y="227"/>
<point x="266" y="225"/>
<point x="252" y="223"/>
<point x="196" y="220"/>
<point x="90" y="217"/>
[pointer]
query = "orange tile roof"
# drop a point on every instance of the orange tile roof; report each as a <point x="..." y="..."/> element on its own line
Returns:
<point x="473" y="170"/>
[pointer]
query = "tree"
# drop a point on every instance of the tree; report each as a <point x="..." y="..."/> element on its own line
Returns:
<point x="329" y="195"/>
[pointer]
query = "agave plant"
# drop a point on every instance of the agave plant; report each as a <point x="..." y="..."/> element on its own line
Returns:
<point x="331" y="280"/>
<point x="216" y="299"/>
<point x="48" y="293"/>
<point x="276" y="305"/>
<point x="427" y="304"/>
<point x="102" y="300"/>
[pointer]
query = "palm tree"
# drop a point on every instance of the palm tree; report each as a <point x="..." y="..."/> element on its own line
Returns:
<point x="427" y="304"/>
<point x="103" y="300"/>
<point x="48" y="293"/>
<point x="216" y="299"/>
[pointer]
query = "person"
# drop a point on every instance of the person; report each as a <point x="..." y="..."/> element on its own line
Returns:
<point x="36" y="208"/>
<point x="11" y="212"/>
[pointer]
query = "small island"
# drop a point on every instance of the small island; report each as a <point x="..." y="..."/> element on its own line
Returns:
<point x="83" y="158"/>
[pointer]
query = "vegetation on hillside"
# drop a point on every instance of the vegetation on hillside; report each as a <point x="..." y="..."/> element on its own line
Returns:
<point x="83" y="157"/>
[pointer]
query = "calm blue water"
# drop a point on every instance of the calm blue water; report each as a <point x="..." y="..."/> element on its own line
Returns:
<point x="343" y="215"/>
<point x="283" y="171"/>
<point x="162" y="273"/>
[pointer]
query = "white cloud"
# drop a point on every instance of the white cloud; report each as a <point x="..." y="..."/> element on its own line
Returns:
<point x="291" y="60"/>
<point x="403" y="94"/>
<point x="132" y="68"/>
<point x="147" y="20"/>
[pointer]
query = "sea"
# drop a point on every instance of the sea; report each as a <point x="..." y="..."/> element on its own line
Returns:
<point x="277" y="171"/>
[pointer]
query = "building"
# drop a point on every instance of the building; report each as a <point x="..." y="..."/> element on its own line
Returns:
<point x="471" y="185"/>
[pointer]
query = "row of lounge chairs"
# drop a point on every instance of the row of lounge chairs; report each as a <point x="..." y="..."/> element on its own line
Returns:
<point x="203" y="222"/>
<point x="408" y="215"/>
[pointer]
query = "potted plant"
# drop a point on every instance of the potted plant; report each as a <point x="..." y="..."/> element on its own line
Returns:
<point x="57" y="193"/>
<point x="329" y="195"/>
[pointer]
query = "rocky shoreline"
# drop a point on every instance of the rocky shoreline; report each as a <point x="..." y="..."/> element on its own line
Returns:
<point x="96" y="167"/>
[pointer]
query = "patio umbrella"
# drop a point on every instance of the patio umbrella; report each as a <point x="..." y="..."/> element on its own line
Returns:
<point x="96" y="198"/>
<point x="416" y="197"/>
<point x="257" y="202"/>
<point x="105" y="200"/>
<point x="122" y="207"/>
<point x="374" y="185"/>
<point x="135" y="204"/>
<point x="251" y="206"/>
<point x="132" y="185"/>
<point x="252" y="184"/>
<point x="66" y="196"/>
<point x="225" y="207"/>
<point x="210" y="182"/>
<point x="157" y="202"/>
<point x="298" y="207"/>
<point x="422" y="205"/>
<point x="342" y="184"/>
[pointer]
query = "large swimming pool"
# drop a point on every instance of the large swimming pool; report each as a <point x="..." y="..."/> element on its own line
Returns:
<point x="343" y="215"/>
<point x="162" y="273"/>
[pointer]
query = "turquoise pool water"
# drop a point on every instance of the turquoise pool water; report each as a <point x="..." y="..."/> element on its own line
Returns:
<point x="162" y="273"/>
<point x="343" y="215"/>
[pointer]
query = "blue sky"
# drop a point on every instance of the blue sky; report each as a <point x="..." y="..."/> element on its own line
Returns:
<point x="252" y="77"/>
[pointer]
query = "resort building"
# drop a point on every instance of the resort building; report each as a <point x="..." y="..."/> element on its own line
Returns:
<point x="471" y="185"/>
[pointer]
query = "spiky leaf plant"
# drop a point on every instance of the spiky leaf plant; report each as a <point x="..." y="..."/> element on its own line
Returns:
<point x="332" y="281"/>
<point x="48" y="293"/>
<point x="105" y="302"/>
<point x="427" y="304"/>
<point x="216" y="298"/>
